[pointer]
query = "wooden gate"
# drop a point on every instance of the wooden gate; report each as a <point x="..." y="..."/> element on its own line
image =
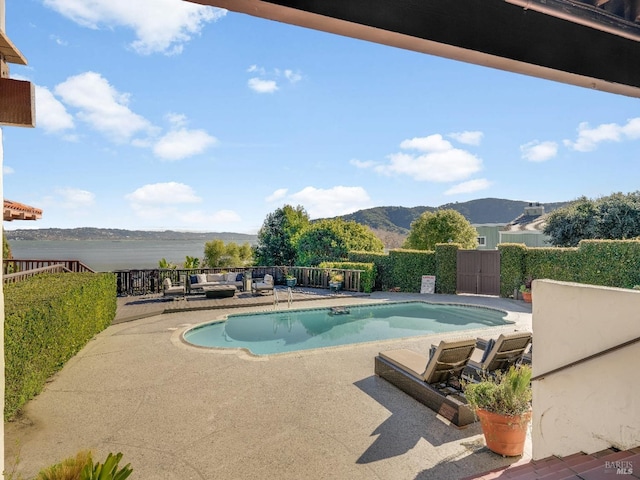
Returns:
<point x="478" y="272"/>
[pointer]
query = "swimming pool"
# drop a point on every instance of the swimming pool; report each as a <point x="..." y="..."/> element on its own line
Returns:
<point x="292" y="330"/>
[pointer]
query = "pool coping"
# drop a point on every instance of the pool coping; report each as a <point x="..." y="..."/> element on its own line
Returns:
<point x="246" y="352"/>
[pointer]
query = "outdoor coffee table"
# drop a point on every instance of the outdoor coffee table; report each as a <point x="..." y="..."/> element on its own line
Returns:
<point x="220" y="291"/>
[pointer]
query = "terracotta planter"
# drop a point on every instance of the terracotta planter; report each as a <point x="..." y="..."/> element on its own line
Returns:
<point x="504" y="435"/>
<point x="526" y="296"/>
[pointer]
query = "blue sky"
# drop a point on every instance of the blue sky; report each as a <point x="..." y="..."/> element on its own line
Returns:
<point x="163" y="114"/>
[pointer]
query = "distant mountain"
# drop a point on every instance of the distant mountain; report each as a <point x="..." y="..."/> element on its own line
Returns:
<point x="382" y="219"/>
<point x="484" y="210"/>
<point x="89" y="233"/>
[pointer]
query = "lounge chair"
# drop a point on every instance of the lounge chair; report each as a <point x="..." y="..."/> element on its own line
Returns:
<point x="499" y="354"/>
<point x="429" y="379"/>
<point x="264" y="286"/>
<point x="170" y="290"/>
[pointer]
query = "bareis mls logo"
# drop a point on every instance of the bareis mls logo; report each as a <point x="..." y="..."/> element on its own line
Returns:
<point x="620" y="467"/>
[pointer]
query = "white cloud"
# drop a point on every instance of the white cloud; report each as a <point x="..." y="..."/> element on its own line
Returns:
<point x="277" y="195"/>
<point x="102" y="107"/>
<point x="536" y="151"/>
<point x="159" y="25"/>
<point x="169" y="193"/>
<point x="632" y="129"/>
<point x="58" y="40"/>
<point x="74" y="198"/>
<point x="183" y="143"/>
<point x="440" y="162"/>
<point x="168" y="202"/>
<point x="7" y="170"/>
<point x="256" y="69"/>
<point x="363" y="163"/>
<point x="267" y="81"/>
<point x="469" y="187"/>
<point x="292" y="76"/>
<point x="262" y="86"/>
<point x="51" y="114"/>
<point x="176" y="119"/>
<point x="468" y="138"/>
<point x="432" y="143"/>
<point x="589" y="138"/>
<point x="330" y="202"/>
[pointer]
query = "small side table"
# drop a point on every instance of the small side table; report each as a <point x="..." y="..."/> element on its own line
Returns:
<point x="247" y="283"/>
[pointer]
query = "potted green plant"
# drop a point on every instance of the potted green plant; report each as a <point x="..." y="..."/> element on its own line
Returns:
<point x="290" y="280"/>
<point x="525" y="290"/>
<point x="503" y="404"/>
<point x="335" y="281"/>
<point x="526" y="293"/>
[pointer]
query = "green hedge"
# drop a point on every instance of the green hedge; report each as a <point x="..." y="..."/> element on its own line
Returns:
<point x="614" y="263"/>
<point x="408" y="266"/>
<point x="446" y="267"/>
<point x="382" y="261"/>
<point x="611" y="263"/>
<point x="367" y="277"/>
<point x="48" y="319"/>
<point x="512" y="267"/>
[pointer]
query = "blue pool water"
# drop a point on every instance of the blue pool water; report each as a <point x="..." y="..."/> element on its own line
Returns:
<point x="291" y="330"/>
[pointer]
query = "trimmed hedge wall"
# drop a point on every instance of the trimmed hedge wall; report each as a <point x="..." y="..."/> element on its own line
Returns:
<point x="614" y="263"/>
<point x="512" y="267"/>
<point x="367" y="278"/>
<point x="403" y="269"/>
<point x="447" y="267"/>
<point x="382" y="263"/>
<point x="610" y="263"/>
<point x="408" y="266"/>
<point x="48" y="319"/>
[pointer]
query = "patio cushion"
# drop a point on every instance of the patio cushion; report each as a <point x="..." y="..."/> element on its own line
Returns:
<point x="215" y="277"/>
<point x="202" y="278"/>
<point x="231" y="277"/>
<point x="193" y="279"/>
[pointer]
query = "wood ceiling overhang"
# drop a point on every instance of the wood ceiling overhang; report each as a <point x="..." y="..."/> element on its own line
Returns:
<point x="20" y="211"/>
<point x="551" y="41"/>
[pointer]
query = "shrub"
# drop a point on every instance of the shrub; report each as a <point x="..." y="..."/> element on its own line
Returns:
<point x="367" y="276"/>
<point x="48" y="319"/>
<point x="507" y="393"/>
<point x="81" y="467"/>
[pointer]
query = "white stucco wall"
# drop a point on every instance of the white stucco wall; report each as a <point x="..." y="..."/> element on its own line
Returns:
<point x="594" y="405"/>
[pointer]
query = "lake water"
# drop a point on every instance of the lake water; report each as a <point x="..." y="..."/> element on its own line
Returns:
<point x="108" y="255"/>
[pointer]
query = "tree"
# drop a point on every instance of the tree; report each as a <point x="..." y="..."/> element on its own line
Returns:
<point x="219" y="254"/>
<point x="332" y="240"/>
<point x="441" y="226"/>
<point x="191" y="262"/>
<point x="614" y="217"/>
<point x="6" y="248"/>
<point x="568" y="225"/>
<point x="164" y="264"/>
<point x="276" y="237"/>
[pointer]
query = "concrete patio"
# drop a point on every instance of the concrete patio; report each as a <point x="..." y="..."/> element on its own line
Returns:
<point x="180" y="412"/>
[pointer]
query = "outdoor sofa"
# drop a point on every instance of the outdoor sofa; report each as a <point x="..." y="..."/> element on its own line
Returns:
<point x="198" y="282"/>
